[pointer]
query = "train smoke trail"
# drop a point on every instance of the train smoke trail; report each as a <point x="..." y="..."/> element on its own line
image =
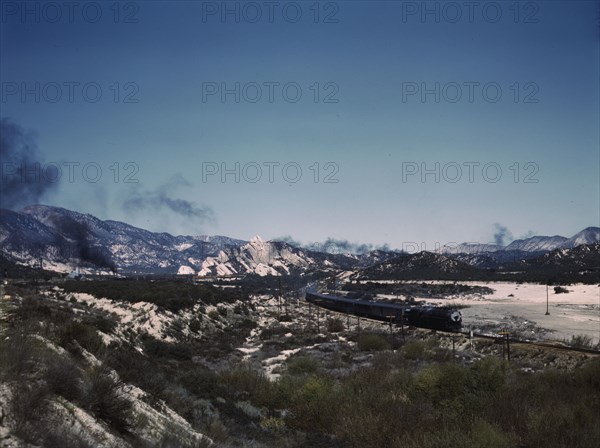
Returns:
<point x="21" y="180"/>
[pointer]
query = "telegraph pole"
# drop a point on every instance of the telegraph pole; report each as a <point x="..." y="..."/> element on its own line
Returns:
<point x="547" y="310"/>
<point x="402" y="323"/>
<point x="318" y="324"/>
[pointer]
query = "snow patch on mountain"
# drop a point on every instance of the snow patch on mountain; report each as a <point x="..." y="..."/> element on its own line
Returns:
<point x="185" y="270"/>
<point x="256" y="257"/>
<point x="537" y="243"/>
<point x="589" y="235"/>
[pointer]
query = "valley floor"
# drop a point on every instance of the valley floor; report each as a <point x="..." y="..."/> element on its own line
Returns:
<point x="521" y="308"/>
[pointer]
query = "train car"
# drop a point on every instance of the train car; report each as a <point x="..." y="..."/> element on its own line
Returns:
<point x="435" y="318"/>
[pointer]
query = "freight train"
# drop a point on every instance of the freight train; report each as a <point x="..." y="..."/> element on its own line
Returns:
<point x="434" y="318"/>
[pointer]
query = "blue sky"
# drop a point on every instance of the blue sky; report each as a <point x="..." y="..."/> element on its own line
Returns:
<point x="361" y="118"/>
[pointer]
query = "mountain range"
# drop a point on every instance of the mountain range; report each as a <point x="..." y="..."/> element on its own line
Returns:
<point x="61" y="240"/>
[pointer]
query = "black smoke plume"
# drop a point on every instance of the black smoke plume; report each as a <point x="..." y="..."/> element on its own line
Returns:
<point x="77" y="243"/>
<point x="335" y="246"/>
<point x="22" y="178"/>
<point x="502" y="236"/>
<point x="161" y="199"/>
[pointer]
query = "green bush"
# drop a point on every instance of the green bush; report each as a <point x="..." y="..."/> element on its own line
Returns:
<point x="84" y="334"/>
<point x="243" y="382"/>
<point x="313" y="406"/>
<point x="414" y="349"/>
<point x="368" y="342"/>
<point x="302" y="365"/>
<point x="203" y="383"/>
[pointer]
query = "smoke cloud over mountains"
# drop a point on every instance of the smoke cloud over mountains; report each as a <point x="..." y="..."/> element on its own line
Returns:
<point x="335" y="246"/>
<point x="162" y="199"/>
<point x="502" y="236"/>
<point x="78" y="243"/>
<point x="22" y="180"/>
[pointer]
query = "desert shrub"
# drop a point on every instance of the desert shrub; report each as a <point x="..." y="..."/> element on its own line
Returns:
<point x="335" y="325"/>
<point x="313" y="406"/>
<point x="222" y="310"/>
<point x="284" y="317"/>
<point x="176" y="437"/>
<point x="170" y="295"/>
<point x="368" y="342"/>
<point x="272" y="424"/>
<point x="84" y="334"/>
<point x="484" y="434"/>
<point x="581" y="341"/>
<point x="104" y="399"/>
<point x="33" y="308"/>
<point x="103" y="323"/>
<point x="489" y="374"/>
<point x="446" y="387"/>
<point x="63" y="378"/>
<point x="588" y="375"/>
<point x="59" y="437"/>
<point x="214" y="314"/>
<point x="414" y="349"/>
<point x="17" y="352"/>
<point x="159" y="349"/>
<point x="551" y="408"/>
<point x="273" y="330"/>
<point x="246" y="324"/>
<point x="135" y="368"/>
<point x="28" y="408"/>
<point x="216" y="430"/>
<point x="302" y="365"/>
<point x="244" y="382"/>
<point x="202" y="383"/>
<point x="560" y="290"/>
<point x="241" y="309"/>
<point x="196" y="324"/>
<point x="179" y="399"/>
<point x="280" y="393"/>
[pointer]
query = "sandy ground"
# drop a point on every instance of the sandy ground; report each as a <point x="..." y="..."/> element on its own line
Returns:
<point x="522" y="308"/>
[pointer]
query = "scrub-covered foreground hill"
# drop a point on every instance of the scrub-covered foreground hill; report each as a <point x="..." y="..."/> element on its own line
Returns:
<point x="168" y="364"/>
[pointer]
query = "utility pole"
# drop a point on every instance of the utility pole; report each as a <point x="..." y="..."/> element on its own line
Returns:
<point x="318" y="324"/>
<point x="547" y="310"/>
<point x="505" y="343"/>
<point x="402" y="323"/>
<point x="453" y="348"/>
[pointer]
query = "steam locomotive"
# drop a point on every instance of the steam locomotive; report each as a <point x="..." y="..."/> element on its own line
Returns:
<point x="434" y="318"/>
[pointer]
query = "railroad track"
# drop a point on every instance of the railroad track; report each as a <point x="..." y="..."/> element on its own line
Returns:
<point x="500" y="336"/>
<point x="532" y="343"/>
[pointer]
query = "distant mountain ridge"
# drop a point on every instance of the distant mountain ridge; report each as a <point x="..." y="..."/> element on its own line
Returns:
<point x="493" y="256"/>
<point x="588" y="235"/>
<point x="62" y="239"/>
